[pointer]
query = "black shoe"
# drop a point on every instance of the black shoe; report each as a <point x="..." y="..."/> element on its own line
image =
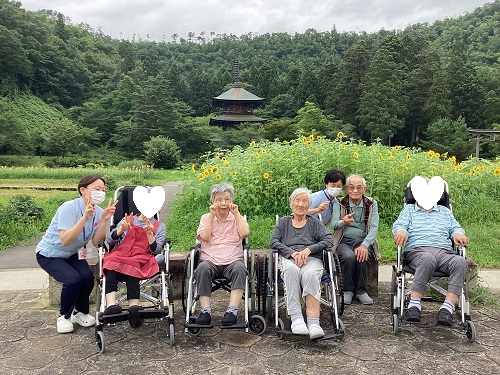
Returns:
<point x="412" y="314"/>
<point x="112" y="310"/>
<point x="134" y="316"/>
<point x="444" y="318"/>
<point x="229" y="319"/>
<point x="204" y="318"/>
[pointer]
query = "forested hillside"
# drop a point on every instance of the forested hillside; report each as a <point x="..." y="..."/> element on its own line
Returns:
<point x="104" y="98"/>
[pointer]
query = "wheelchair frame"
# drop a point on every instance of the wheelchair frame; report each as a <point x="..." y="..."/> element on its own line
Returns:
<point x="162" y="304"/>
<point x="254" y="322"/>
<point x="331" y="293"/>
<point x="402" y="275"/>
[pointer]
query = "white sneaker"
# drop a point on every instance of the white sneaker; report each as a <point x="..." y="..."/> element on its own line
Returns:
<point x="315" y="331"/>
<point x="299" y="328"/>
<point x="64" y="325"/>
<point x="85" y="320"/>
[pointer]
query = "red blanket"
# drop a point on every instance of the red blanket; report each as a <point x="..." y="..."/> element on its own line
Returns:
<point x="132" y="256"/>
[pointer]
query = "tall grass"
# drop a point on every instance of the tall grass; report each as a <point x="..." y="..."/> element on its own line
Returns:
<point x="265" y="174"/>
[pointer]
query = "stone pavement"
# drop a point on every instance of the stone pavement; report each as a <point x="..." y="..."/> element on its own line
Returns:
<point x="29" y="342"/>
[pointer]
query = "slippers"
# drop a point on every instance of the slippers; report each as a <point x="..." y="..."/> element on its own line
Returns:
<point x="112" y="310"/>
<point x="134" y="316"/>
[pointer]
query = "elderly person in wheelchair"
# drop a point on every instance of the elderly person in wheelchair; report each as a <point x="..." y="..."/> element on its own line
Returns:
<point x="221" y="232"/>
<point x="300" y="240"/>
<point x="428" y="235"/>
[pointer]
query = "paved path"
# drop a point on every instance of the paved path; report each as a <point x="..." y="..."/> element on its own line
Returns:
<point x="29" y="342"/>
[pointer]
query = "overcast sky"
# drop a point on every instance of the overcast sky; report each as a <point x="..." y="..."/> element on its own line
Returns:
<point x="158" y="18"/>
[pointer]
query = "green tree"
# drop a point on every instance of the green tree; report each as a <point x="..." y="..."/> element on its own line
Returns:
<point x="446" y="135"/>
<point x="438" y="103"/>
<point x="383" y="104"/>
<point x="310" y="118"/>
<point x="162" y="152"/>
<point x="65" y="137"/>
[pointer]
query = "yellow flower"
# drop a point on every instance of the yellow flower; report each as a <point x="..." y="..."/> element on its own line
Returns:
<point x="434" y="168"/>
<point x="408" y="156"/>
<point x="319" y="138"/>
<point x="405" y="166"/>
<point x="436" y="154"/>
<point x="202" y="166"/>
<point x="201" y="176"/>
<point x="304" y="139"/>
<point x="193" y="168"/>
<point x="254" y="144"/>
<point x="207" y="172"/>
<point x="265" y="175"/>
<point x="257" y="155"/>
<point x="210" y="170"/>
<point x="217" y="155"/>
<point x="342" y="146"/>
<point x="233" y="173"/>
<point x="311" y="137"/>
<point x="355" y="154"/>
<point x="340" y="135"/>
<point x="309" y="143"/>
<point x="381" y="156"/>
<point x="215" y="169"/>
<point x="390" y="155"/>
<point x="496" y="172"/>
<point x="430" y="153"/>
<point x="263" y="151"/>
<point x="217" y="177"/>
<point x="224" y="159"/>
<point x="397" y="148"/>
<point x="374" y="152"/>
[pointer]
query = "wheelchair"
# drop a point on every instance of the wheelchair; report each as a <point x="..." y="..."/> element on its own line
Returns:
<point x="402" y="276"/>
<point x="254" y="322"/>
<point x="157" y="290"/>
<point x="332" y="296"/>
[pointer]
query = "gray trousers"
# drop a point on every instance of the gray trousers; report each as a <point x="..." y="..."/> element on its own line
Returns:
<point x="354" y="273"/>
<point x="307" y="278"/>
<point x="425" y="260"/>
<point x="206" y="271"/>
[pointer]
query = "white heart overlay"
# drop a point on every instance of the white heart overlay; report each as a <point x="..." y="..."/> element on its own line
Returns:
<point x="427" y="194"/>
<point x="149" y="203"/>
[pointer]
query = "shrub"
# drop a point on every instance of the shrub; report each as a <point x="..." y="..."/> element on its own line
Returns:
<point x="21" y="209"/>
<point x="162" y="152"/>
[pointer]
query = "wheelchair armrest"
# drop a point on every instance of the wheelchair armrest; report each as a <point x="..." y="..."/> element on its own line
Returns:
<point x="246" y="244"/>
<point x="197" y="246"/>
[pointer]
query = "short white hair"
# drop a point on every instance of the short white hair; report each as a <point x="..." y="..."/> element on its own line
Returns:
<point x="221" y="188"/>
<point x="298" y="191"/>
<point x="348" y="179"/>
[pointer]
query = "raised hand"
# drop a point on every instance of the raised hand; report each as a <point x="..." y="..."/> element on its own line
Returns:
<point x="233" y="208"/>
<point x="125" y="224"/>
<point x="348" y="219"/>
<point x="89" y="208"/>
<point x="148" y="227"/>
<point x="109" y="210"/>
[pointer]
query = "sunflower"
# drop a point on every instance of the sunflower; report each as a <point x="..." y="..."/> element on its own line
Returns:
<point x="217" y="177"/>
<point x="224" y="159"/>
<point x="265" y="175"/>
<point x="309" y="143"/>
<point x="217" y="154"/>
<point x="342" y="146"/>
<point x="355" y="154"/>
<point x="207" y="172"/>
<point x="202" y="176"/>
<point x="430" y="153"/>
<point x="496" y="172"/>
<point x="215" y="169"/>
<point x="193" y="169"/>
<point x="319" y="138"/>
<point x="263" y="151"/>
<point x="253" y="144"/>
<point x="257" y="155"/>
<point x="311" y="137"/>
<point x="340" y="135"/>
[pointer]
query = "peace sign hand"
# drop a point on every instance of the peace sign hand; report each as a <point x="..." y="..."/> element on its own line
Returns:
<point x="125" y="224"/>
<point x="89" y="209"/>
<point x="109" y="210"/>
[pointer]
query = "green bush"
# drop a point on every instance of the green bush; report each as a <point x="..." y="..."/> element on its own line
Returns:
<point x="162" y="152"/>
<point x="134" y="163"/>
<point x="21" y="209"/>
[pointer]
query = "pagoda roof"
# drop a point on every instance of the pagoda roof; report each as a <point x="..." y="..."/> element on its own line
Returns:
<point x="237" y="93"/>
<point x="236" y="118"/>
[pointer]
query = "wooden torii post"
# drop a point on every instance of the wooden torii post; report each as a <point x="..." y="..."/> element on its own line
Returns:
<point x="481" y="135"/>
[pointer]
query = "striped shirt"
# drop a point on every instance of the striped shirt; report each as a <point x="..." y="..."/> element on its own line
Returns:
<point x="434" y="228"/>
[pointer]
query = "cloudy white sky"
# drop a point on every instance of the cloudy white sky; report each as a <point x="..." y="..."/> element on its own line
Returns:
<point x="158" y="18"/>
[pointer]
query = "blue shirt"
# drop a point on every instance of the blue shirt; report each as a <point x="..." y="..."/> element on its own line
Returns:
<point x="67" y="215"/>
<point x="318" y="198"/>
<point x="434" y="228"/>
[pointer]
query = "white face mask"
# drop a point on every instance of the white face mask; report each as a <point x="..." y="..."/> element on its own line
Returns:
<point x="333" y="191"/>
<point x="97" y="196"/>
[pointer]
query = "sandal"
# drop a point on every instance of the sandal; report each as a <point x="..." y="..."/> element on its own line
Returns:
<point x="113" y="310"/>
<point x="134" y="316"/>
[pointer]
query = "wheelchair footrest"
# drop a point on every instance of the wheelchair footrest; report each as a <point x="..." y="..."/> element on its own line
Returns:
<point x="234" y="326"/>
<point x="421" y="323"/>
<point x="331" y="336"/>
<point x="194" y="325"/>
<point x="153" y="314"/>
<point x="113" y="318"/>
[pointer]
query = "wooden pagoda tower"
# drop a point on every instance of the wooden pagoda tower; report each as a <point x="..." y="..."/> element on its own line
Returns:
<point x="236" y="103"/>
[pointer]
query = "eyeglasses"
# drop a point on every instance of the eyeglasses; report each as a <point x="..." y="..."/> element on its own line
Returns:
<point x="357" y="187"/>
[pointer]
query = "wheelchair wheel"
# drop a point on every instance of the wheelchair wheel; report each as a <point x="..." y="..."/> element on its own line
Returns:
<point x="470" y="331"/>
<point x="270" y="288"/>
<point x="171" y="334"/>
<point x="280" y="328"/>
<point x="194" y="331"/>
<point x="257" y="324"/>
<point x="395" y="323"/>
<point x="394" y="292"/>
<point x="185" y="282"/>
<point x="339" y="284"/>
<point x="100" y="341"/>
